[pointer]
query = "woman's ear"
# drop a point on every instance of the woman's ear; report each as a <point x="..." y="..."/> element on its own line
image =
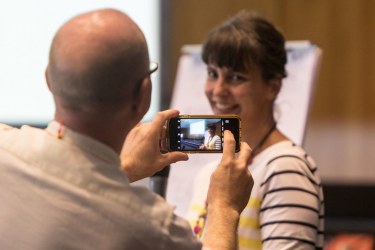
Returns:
<point x="274" y="87"/>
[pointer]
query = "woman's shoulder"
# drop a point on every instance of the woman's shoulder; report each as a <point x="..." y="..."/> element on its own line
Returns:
<point x="216" y="137"/>
<point x="288" y="155"/>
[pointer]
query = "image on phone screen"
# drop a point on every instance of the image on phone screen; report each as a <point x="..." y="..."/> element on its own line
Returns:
<point x="201" y="134"/>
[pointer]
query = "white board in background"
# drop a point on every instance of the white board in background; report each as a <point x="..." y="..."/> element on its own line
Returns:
<point x="291" y="110"/>
<point x="27" y="28"/>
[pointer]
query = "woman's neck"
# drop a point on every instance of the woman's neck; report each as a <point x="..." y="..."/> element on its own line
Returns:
<point x="260" y="138"/>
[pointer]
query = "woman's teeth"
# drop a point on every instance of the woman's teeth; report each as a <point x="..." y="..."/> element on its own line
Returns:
<point x="224" y="106"/>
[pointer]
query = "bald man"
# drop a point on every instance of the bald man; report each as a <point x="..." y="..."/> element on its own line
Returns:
<point x="67" y="186"/>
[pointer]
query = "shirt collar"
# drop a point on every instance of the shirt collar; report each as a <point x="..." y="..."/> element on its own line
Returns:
<point x="90" y="145"/>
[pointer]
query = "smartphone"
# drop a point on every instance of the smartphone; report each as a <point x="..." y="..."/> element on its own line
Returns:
<point x="201" y="133"/>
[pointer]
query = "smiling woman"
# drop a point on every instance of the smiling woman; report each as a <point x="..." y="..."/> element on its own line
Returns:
<point x="246" y="59"/>
<point x="27" y="29"/>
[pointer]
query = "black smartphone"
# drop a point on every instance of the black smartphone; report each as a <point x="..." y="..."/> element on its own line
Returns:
<point x="201" y="133"/>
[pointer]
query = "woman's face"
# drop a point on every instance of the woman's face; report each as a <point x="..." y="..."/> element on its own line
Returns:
<point x="245" y="94"/>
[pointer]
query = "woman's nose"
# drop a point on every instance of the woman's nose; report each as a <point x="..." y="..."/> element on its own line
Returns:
<point x="220" y="88"/>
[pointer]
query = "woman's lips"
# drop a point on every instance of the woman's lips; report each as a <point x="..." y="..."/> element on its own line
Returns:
<point x="224" y="107"/>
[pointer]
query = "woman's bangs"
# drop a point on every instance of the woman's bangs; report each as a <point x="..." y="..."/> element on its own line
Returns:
<point x="226" y="50"/>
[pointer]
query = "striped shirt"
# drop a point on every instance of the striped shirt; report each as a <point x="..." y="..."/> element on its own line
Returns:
<point x="286" y="207"/>
<point x="213" y="142"/>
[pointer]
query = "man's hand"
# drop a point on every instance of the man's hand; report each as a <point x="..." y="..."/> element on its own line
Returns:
<point x="231" y="183"/>
<point x="141" y="156"/>
<point x="229" y="192"/>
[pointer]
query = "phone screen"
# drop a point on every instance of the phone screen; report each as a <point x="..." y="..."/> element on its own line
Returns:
<point x="201" y="134"/>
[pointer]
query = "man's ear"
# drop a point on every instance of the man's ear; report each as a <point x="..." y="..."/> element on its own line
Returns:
<point x="274" y="87"/>
<point x="142" y="98"/>
<point x="47" y="80"/>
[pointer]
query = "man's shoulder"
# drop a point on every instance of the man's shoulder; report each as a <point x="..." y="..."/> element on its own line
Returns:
<point x="12" y="135"/>
<point x="7" y="133"/>
<point x="6" y="128"/>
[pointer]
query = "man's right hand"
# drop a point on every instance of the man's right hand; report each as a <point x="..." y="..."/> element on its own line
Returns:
<point x="141" y="156"/>
<point x="229" y="192"/>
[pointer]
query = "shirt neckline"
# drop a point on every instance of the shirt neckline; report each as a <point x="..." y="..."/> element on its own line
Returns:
<point x="90" y="145"/>
<point x="264" y="154"/>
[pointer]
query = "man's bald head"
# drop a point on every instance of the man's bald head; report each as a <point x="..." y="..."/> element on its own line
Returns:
<point x="96" y="60"/>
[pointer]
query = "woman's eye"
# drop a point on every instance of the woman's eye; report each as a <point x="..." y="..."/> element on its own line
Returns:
<point x="211" y="74"/>
<point x="238" y="78"/>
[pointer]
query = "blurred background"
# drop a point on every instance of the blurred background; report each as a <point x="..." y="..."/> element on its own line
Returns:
<point x="27" y="29"/>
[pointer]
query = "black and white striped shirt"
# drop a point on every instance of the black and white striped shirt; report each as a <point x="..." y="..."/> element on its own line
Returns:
<point x="286" y="208"/>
